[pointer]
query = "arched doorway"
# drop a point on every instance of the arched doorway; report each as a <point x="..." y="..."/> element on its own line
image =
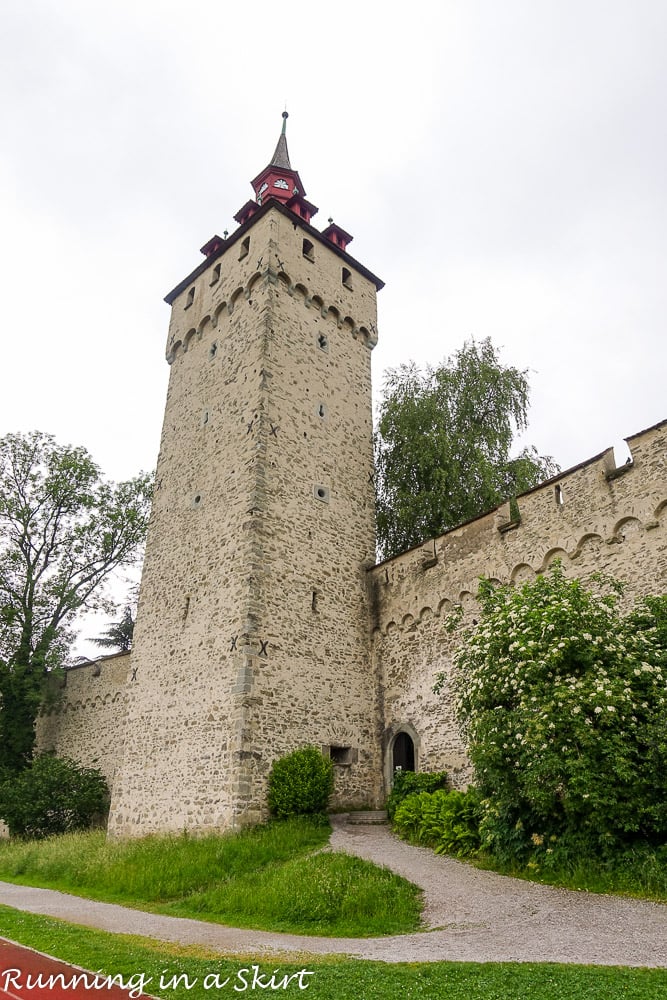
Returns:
<point x="403" y="753"/>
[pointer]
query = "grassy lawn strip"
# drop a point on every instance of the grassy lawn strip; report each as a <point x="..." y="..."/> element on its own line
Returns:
<point x="266" y="877"/>
<point x="332" y="979"/>
<point x="641" y="874"/>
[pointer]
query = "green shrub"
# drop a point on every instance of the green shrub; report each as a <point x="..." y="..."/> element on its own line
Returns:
<point x="451" y="822"/>
<point x="409" y="782"/>
<point x="448" y="821"/>
<point x="300" y="783"/>
<point x="54" y="795"/>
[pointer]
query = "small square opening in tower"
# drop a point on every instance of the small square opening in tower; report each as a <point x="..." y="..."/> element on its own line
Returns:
<point x="308" y="250"/>
<point x="245" y="248"/>
<point x="347" y="278"/>
<point x="342" y="756"/>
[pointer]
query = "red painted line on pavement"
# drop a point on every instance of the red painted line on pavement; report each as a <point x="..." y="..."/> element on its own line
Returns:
<point x="20" y="969"/>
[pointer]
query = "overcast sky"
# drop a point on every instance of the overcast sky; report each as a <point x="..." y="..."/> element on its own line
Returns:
<point x="500" y="163"/>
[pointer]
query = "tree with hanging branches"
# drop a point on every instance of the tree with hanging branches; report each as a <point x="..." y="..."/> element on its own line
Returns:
<point x="443" y="445"/>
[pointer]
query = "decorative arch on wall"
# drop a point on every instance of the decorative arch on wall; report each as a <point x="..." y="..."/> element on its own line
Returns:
<point x="591" y="540"/>
<point x="445" y="606"/>
<point x="557" y="552"/>
<point x="221" y="310"/>
<point x="188" y="338"/>
<point x="252" y="284"/>
<point x="467" y="600"/>
<point x="171" y="353"/>
<point x="660" y="509"/>
<point x="627" y="526"/>
<point x="234" y="299"/>
<point x="522" y="573"/>
<point x="299" y="290"/>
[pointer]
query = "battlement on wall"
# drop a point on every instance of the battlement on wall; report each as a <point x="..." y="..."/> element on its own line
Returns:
<point x="594" y="516"/>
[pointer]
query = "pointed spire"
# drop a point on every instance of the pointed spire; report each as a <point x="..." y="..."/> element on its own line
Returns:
<point x="279" y="182"/>
<point x="281" y="156"/>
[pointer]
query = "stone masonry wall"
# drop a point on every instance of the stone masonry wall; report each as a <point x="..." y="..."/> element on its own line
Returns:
<point x="87" y="719"/>
<point x="593" y="517"/>
<point x="184" y="715"/>
<point x="315" y="683"/>
<point x="251" y="634"/>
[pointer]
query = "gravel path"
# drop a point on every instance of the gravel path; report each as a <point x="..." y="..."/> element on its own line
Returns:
<point x="470" y="915"/>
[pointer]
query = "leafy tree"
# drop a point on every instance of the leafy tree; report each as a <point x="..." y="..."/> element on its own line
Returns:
<point x="63" y="531"/>
<point x="563" y="703"/>
<point x="54" y="795"/>
<point x="119" y="634"/>
<point x="443" y="441"/>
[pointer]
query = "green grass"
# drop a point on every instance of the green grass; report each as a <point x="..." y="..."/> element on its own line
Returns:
<point x="266" y="877"/>
<point x="331" y="979"/>
<point x="639" y="873"/>
<point x="314" y="894"/>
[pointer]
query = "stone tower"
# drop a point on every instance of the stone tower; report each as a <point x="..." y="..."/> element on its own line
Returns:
<point x="253" y="633"/>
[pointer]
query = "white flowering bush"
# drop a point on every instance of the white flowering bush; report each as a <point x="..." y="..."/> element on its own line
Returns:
<point x="563" y="703"/>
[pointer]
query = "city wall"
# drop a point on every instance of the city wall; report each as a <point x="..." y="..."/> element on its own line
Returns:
<point x="85" y="716"/>
<point x="592" y="517"/>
